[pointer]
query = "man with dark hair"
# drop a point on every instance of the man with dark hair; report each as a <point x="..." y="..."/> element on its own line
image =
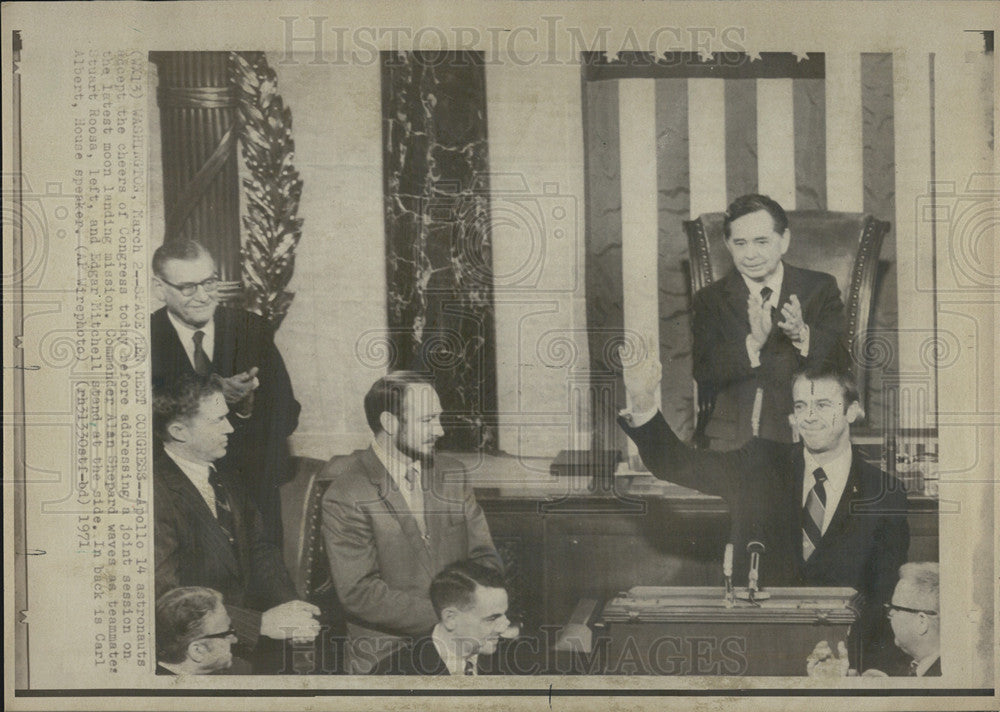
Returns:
<point x="760" y="323"/>
<point x="470" y="602"/>
<point x="394" y="515"/>
<point x="206" y="530"/>
<point x="824" y="515"/>
<point x="194" y="635"/>
<point x="193" y="334"/>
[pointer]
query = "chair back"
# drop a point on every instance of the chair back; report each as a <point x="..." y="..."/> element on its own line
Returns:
<point x="844" y="245"/>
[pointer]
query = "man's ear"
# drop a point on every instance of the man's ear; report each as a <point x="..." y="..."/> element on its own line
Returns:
<point x="853" y="412"/>
<point x="178" y="431"/>
<point x="448" y="616"/>
<point x="786" y="238"/>
<point x="158" y="290"/>
<point x="389" y="422"/>
<point x="197" y="650"/>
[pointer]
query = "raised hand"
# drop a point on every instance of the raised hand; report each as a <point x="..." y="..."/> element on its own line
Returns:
<point x="238" y="390"/>
<point x="792" y="323"/>
<point x="823" y="662"/>
<point x="760" y="321"/>
<point x="642" y="377"/>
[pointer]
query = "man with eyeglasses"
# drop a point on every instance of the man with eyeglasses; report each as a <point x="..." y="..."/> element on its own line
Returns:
<point x="194" y="635"/>
<point x="824" y="515"/>
<point x="913" y="613"/>
<point x="206" y="530"/>
<point x="191" y="334"/>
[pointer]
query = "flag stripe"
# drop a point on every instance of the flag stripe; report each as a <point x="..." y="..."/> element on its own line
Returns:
<point x="775" y="140"/>
<point x="674" y="206"/>
<point x="707" y="135"/>
<point x="809" y="105"/>
<point x="640" y="218"/>
<point x="605" y="316"/>
<point x="741" y="138"/>
<point x="844" y="171"/>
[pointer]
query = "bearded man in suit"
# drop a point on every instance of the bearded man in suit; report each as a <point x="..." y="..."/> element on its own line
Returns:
<point x="394" y="515"/>
<point x="207" y="532"/>
<point x="758" y="325"/>
<point x="824" y="515"/>
<point x="192" y="334"/>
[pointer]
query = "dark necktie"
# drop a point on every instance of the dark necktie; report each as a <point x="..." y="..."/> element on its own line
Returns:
<point x="469" y="668"/>
<point x="765" y="294"/>
<point x="913" y="668"/>
<point x="812" y="515"/>
<point x="223" y="512"/>
<point x="202" y="366"/>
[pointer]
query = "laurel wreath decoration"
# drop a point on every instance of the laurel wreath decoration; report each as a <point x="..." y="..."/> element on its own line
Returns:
<point x="272" y="190"/>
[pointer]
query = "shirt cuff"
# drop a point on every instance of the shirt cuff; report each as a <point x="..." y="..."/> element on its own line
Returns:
<point x="640" y="418"/>
<point x="752" y="352"/>
<point x="803" y="344"/>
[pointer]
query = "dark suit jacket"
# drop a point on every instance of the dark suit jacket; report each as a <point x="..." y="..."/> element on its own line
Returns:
<point x="421" y="658"/>
<point x="381" y="565"/>
<point x="864" y="546"/>
<point x="722" y="366"/>
<point x="258" y="448"/>
<point x="193" y="550"/>
<point x="934" y="670"/>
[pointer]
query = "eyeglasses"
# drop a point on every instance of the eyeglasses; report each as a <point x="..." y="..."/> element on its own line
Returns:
<point x="188" y="289"/>
<point x="891" y="607"/>
<point x="223" y="634"/>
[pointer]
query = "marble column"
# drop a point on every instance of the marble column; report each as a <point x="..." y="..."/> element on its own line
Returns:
<point x="439" y="270"/>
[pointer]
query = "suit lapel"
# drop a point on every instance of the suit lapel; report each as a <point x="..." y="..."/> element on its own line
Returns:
<point x="392" y="499"/>
<point x="194" y="503"/>
<point x="168" y="346"/>
<point x="736" y="297"/>
<point x="852" y="492"/>
<point x="224" y="345"/>
<point x="797" y="466"/>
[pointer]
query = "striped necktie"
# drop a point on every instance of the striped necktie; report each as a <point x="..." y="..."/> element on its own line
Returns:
<point x="223" y="512"/>
<point x="812" y="515"/>
<point x="469" y="668"/>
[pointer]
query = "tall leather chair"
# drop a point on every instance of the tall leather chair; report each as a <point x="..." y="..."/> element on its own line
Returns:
<point x="844" y="245"/>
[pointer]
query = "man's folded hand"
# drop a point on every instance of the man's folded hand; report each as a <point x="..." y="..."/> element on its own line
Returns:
<point x="294" y="620"/>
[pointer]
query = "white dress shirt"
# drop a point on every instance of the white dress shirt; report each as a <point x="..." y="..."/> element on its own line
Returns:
<point x="397" y="465"/>
<point x="837" y="471"/>
<point x="455" y="664"/>
<point x="186" y="334"/>
<point x="924" y="664"/>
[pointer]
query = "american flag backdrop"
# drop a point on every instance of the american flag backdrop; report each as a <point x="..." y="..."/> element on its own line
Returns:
<point x="669" y="139"/>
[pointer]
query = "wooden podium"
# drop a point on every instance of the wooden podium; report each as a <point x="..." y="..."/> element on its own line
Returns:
<point x="689" y="630"/>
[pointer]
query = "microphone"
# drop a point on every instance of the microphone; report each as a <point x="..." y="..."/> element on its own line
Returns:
<point x="727" y="572"/>
<point x="755" y="548"/>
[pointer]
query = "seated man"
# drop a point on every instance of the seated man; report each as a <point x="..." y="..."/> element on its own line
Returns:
<point x="395" y="515"/>
<point x="207" y="532"/>
<point x="758" y="325"/>
<point x="915" y="616"/>
<point x="193" y="633"/>
<point x="470" y="602"/>
<point x="824" y="515"/>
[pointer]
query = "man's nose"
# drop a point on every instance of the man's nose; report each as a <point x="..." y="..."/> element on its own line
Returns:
<point x="228" y="427"/>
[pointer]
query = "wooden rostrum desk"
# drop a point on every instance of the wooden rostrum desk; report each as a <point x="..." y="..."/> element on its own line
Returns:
<point x="689" y="630"/>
